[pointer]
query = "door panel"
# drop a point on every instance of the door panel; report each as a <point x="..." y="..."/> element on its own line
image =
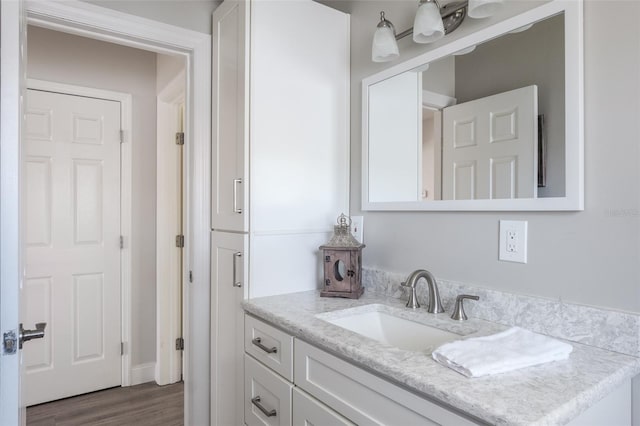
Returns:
<point x="490" y="147"/>
<point x="72" y="223"/>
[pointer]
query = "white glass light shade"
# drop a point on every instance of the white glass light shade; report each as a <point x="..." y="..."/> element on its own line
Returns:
<point x="384" y="47"/>
<point x="483" y="8"/>
<point x="428" y="26"/>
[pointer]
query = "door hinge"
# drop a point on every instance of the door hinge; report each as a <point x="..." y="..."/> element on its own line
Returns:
<point x="121" y="348"/>
<point x="180" y="241"/>
<point x="121" y="242"/>
<point x="179" y="344"/>
<point x="190" y="276"/>
<point x="180" y="138"/>
<point x="121" y="136"/>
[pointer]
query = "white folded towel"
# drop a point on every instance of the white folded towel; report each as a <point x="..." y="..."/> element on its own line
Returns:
<point x="498" y="353"/>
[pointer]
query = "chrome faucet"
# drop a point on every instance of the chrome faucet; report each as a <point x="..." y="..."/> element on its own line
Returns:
<point x="435" y="305"/>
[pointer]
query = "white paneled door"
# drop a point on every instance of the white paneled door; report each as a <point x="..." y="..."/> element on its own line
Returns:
<point x="71" y="166"/>
<point x="490" y="147"/>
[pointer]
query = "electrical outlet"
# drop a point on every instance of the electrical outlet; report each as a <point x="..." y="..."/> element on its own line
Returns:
<point x="513" y="241"/>
<point x="357" y="230"/>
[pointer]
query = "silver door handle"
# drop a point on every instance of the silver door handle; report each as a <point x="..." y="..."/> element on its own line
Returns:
<point x="236" y="209"/>
<point x="258" y="342"/>
<point x="26" y="335"/>
<point x="236" y="283"/>
<point x="269" y="413"/>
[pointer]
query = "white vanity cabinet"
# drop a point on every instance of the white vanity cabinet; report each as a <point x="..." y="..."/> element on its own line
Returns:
<point x="270" y="397"/>
<point x="279" y="166"/>
<point x="324" y="389"/>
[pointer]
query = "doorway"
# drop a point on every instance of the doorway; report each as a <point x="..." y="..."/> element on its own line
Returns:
<point x="89" y="20"/>
<point x="137" y="72"/>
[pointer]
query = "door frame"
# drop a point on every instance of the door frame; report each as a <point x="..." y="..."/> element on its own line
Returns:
<point x="126" y="123"/>
<point x="169" y="310"/>
<point x="12" y="38"/>
<point x="88" y="20"/>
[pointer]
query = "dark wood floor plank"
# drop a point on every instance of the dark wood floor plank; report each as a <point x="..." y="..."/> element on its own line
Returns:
<point x="142" y="405"/>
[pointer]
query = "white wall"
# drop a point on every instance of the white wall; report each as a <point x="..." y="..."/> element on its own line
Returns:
<point x="588" y="257"/>
<point x="440" y="77"/>
<point x="70" y="59"/>
<point x="192" y="14"/>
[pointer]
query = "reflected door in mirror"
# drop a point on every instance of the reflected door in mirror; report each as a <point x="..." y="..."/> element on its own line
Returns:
<point x="489" y="147"/>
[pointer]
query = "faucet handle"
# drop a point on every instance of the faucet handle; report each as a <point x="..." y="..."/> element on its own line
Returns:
<point x="458" y="312"/>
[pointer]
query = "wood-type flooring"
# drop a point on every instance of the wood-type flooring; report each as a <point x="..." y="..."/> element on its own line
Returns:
<point x="143" y="405"/>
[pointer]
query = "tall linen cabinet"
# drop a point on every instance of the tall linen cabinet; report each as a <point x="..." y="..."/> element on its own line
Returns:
<point x="280" y="164"/>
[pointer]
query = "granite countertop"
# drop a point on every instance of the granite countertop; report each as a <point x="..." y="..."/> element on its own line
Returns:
<point x="552" y="393"/>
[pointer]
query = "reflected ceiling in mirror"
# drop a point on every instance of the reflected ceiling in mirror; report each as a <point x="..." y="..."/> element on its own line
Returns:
<point x="487" y="126"/>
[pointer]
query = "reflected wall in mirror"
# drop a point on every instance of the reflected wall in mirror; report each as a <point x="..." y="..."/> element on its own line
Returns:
<point x="486" y="122"/>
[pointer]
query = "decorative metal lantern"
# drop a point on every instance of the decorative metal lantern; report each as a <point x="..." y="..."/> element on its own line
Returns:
<point x="342" y="259"/>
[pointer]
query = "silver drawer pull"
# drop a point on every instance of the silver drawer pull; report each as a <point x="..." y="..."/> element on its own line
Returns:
<point x="258" y="342"/>
<point x="236" y="209"/>
<point x="236" y="283"/>
<point x="256" y="401"/>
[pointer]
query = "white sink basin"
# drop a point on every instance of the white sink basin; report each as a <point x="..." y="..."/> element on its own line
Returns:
<point x="394" y="331"/>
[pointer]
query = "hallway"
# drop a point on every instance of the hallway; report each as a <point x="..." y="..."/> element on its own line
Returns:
<point x="143" y="405"/>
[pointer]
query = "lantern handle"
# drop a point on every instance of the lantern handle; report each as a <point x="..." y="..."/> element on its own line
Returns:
<point x="344" y="220"/>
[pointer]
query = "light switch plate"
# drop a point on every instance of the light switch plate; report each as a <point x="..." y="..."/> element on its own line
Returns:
<point x="513" y="241"/>
<point x="357" y="230"/>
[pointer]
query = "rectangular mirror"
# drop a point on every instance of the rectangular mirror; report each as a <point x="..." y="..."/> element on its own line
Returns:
<point x="491" y="121"/>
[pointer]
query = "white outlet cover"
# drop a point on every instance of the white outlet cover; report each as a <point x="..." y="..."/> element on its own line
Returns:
<point x="513" y="241"/>
<point x="357" y="228"/>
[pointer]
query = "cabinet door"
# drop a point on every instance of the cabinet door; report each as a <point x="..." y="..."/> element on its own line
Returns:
<point x="229" y="117"/>
<point x="267" y="396"/>
<point x="362" y="397"/>
<point x="228" y="269"/>
<point x="309" y="411"/>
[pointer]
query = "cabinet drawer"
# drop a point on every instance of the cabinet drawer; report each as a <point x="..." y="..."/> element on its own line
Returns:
<point x="309" y="411"/>
<point x="363" y="397"/>
<point x="269" y="345"/>
<point x="267" y="396"/>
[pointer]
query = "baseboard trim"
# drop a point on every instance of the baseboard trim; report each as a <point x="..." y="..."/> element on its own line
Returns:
<point x="143" y="373"/>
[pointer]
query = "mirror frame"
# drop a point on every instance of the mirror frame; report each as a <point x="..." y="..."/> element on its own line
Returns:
<point x="574" y="114"/>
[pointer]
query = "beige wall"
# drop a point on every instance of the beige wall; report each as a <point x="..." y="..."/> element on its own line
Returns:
<point x="75" y="60"/>
<point x="191" y="14"/>
<point x="590" y="257"/>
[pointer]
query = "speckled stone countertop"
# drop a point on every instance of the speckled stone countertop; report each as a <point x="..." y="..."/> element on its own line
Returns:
<point x="548" y="394"/>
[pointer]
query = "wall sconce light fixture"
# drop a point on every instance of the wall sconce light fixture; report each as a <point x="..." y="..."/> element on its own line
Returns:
<point x="431" y="23"/>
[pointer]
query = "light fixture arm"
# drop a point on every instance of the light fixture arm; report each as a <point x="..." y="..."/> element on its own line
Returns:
<point x="434" y="19"/>
<point x="452" y="14"/>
